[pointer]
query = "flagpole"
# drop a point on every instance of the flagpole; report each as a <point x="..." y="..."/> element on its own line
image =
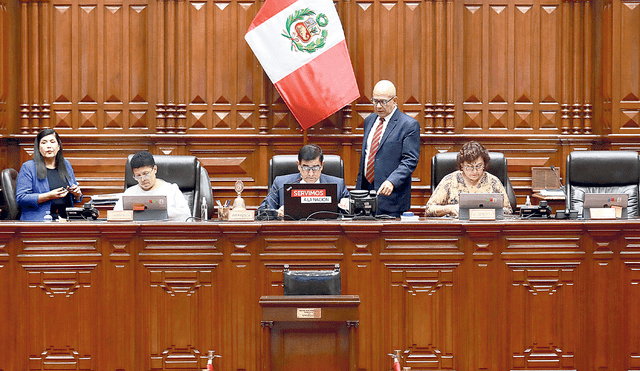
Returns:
<point x="305" y="139"/>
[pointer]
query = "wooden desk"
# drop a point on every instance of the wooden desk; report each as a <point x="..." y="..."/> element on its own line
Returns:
<point x="310" y="332"/>
<point x="459" y="295"/>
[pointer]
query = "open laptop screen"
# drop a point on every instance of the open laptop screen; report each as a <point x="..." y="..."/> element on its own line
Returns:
<point x="154" y="207"/>
<point x="313" y="201"/>
<point x="469" y="201"/>
<point x="598" y="200"/>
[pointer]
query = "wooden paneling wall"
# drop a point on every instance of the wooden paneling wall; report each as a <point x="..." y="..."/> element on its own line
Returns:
<point x="532" y="79"/>
<point x="514" y="295"/>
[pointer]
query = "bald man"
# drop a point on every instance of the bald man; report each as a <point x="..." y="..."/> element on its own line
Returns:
<point x="390" y="152"/>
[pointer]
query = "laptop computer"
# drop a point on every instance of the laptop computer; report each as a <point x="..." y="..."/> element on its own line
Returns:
<point x="597" y="200"/>
<point x="313" y="201"/>
<point x="151" y="207"/>
<point x="469" y="201"/>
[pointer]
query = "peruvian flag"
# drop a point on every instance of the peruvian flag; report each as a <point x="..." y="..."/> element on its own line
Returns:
<point x="301" y="46"/>
<point x="210" y="365"/>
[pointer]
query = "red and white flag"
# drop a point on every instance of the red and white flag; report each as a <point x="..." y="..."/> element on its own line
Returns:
<point x="396" y="364"/>
<point x="210" y="365"/>
<point x="301" y="46"/>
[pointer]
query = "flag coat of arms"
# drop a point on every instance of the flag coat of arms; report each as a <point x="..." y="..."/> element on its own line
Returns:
<point x="301" y="46"/>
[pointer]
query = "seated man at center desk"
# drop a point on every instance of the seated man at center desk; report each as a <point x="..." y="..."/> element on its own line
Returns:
<point x="310" y="163"/>
<point x="144" y="171"/>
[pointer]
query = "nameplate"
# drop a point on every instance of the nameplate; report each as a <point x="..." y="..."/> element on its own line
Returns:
<point x="482" y="214"/>
<point x="119" y="215"/>
<point x="241" y="215"/>
<point x="309" y="313"/>
<point x="603" y="213"/>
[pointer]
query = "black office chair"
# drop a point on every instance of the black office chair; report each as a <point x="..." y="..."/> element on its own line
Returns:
<point x="311" y="282"/>
<point x="602" y="172"/>
<point x="287" y="164"/>
<point x="445" y="163"/>
<point x="187" y="172"/>
<point x="9" y="181"/>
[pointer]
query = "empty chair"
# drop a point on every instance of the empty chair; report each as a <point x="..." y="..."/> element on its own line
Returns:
<point x="9" y="180"/>
<point x="311" y="282"/>
<point x="288" y="164"/>
<point x="445" y="163"/>
<point x="602" y="172"/>
<point x="187" y="173"/>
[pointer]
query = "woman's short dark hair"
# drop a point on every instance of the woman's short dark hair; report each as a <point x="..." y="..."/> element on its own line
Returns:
<point x="41" y="167"/>
<point x="470" y="151"/>
<point x="142" y="159"/>
<point x="310" y="152"/>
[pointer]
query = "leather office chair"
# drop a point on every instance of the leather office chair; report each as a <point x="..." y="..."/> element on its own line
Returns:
<point x="602" y="172"/>
<point x="9" y="181"/>
<point x="445" y="163"/>
<point x="287" y="164"/>
<point x="187" y="173"/>
<point x="311" y="282"/>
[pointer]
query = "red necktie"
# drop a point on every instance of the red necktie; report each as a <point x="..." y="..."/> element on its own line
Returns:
<point x="375" y="143"/>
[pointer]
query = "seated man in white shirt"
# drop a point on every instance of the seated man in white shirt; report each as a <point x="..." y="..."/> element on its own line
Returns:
<point x="144" y="171"/>
<point x="310" y="163"/>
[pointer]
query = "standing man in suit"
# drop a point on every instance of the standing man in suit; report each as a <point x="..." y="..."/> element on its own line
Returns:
<point x="310" y="163"/>
<point x="390" y="152"/>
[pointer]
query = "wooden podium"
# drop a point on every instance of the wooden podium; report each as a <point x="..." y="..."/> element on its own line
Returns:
<point x="310" y="333"/>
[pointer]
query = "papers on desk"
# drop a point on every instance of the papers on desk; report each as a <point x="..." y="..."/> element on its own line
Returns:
<point x="409" y="217"/>
<point x="552" y="193"/>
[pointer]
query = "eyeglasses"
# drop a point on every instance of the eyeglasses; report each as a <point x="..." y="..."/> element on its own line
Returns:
<point x="382" y="102"/>
<point x="307" y="169"/>
<point x="476" y="167"/>
<point x="143" y="176"/>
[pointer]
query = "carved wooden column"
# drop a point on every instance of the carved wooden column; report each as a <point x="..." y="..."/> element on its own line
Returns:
<point x="429" y="118"/>
<point x="35" y="101"/>
<point x="24" y="99"/>
<point x="449" y="106"/>
<point x="566" y="72"/>
<point x="439" y="77"/>
<point x="170" y="63"/>
<point x="181" y="77"/>
<point x="172" y="70"/>
<point x="345" y="12"/>
<point x="264" y="110"/>
<point x="266" y="99"/>
<point x="346" y="119"/>
<point x="576" y="54"/>
<point x="33" y="64"/>
<point x="588" y="73"/>
<point x="45" y="98"/>
<point x="161" y="107"/>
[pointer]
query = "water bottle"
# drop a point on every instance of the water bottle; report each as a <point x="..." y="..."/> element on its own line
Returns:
<point x="203" y="209"/>
<point x="528" y="201"/>
<point x="48" y="217"/>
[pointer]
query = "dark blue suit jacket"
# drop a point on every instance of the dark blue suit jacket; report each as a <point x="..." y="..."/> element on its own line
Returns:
<point x="275" y="198"/>
<point x="29" y="187"/>
<point x="396" y="159"/>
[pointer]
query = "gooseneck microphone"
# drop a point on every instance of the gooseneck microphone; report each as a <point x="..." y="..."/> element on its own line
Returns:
<point x="566" y="213"/>
<point x="553" y="168"/>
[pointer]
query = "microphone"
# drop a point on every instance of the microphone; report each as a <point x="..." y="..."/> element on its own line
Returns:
<point x="553" y="168"/>
<point x="566" y="213"/>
